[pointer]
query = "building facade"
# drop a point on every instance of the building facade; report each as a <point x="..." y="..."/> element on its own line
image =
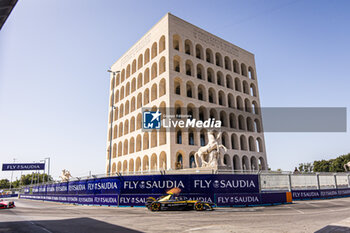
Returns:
<point x="180" y="66"/>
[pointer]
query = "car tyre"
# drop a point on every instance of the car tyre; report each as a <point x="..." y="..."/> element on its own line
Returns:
<point x="155" y="206"/>
<point x="199" y="206"/>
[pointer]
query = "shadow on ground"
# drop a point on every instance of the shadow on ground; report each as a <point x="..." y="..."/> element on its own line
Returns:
<point x="333" y="229"/>
<point x="75" y="225"/>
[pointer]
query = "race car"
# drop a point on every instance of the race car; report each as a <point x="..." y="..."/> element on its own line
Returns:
<point x="6" y="204"/>
<point x="172" y="202"/>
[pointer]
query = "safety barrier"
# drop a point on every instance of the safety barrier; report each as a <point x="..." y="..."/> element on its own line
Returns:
<point x="8" y="195"/>
<point x="222" y="189"/>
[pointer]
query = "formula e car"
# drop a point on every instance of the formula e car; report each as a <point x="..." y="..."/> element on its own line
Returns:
<point x="6" y="204"/>
<point x="172" y="202"/>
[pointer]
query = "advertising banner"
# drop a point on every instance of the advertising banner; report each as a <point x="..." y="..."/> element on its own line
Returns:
<point x="135" y="199"/>
<point x="77" y="187"/>
<point x="191" y="184"/>
<point x="305" y="194"/>
<point x="326" y="193"/>
<point x="104" y="186"/>
<point x="110" y="200"/>
<point x="22" y="166"/>
<point x="229" y="199"/>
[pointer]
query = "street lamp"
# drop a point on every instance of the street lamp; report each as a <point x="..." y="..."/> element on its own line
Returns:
<point x="111" y="125"/>
<point x="43" y="160"/>
<point x="48" y="167"/>
<point x="14" y="160"/>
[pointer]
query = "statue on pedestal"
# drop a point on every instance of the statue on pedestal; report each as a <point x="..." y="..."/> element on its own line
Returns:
<point x="210" y="155"/>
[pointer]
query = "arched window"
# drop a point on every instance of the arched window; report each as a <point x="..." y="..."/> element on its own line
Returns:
<point x="188" y="47"/>
<point x="177" y="63"/>
<point x="220" y="79"/>
<point x="222" y="99"/>
<point x="251" y="72"/>
<point x="154" y="50"/>
<point x="154" y="92"/>
<point x="251" y="144"/>
<point x="140" y="62"/>
<point x="146" y="76"/>
<point x="192" y="161"/>
<point x="177" y="86"/>
<point x="189" y="89"/>
<point x="241" y="124"/>
<point x="199" y="51"/>
<point x="202" y="138"/>
<point x="210" y="75"/>
<point x="200" y="71"/>
<point x="231" y="101"/>
<point x="179" y="137"/>
<point x="201" y="92"/>
<point x="145" y="141"/>
<point x="179" y="161"/>
<point x="154" y="71"/>
<point x="246" y="88"/>
<point x="209" y="55"/>
<point x="162" y="44"/>
<point x="234" y="142"/>
<point x="229" y="83"/>
<point x="218" y="59"/>
<point x="244" y="70"/>
<point x="176" y="42"/>
<point x="227" y="63"/>
<point x="238" y="85"/>
<point x="243" y="142"/>
<point x="233" y="123"/>
<point x="236" y="66"/>
<point x="133" y="67"/>
<point x="189" y="68"/>
<point x="162" y="67"/>
<point x="239" y="103"/>
<point x="162" y="89"/>
<point x="190" y="137"/>
<point x="147" y="56"/>
<point x="253" y="90"/>
<point x="211" y="95"/>
<point x="139" y="81"/>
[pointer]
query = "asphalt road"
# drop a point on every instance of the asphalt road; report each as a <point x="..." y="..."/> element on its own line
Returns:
<point x="331" y="215"/>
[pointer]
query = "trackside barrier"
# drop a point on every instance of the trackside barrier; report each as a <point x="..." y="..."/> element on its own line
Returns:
<point x="320" y="194"/>
<point x="8" y="195"/>
<point x="222" y="189"/>
<point x="226" y="199"/>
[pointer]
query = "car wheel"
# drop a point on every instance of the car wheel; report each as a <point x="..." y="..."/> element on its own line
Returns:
<point x="199" y="206"/>
<point x="155" y="206"/>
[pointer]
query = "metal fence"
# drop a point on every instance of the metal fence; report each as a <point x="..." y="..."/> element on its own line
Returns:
<point x="270" y="181"/>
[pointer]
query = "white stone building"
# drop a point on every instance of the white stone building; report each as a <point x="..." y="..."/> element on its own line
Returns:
<point x="178" y="65"/>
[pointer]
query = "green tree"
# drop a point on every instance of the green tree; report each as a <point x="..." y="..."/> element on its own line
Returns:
<point x="4" y="184"/>
<point x="331" y="165"/>
<point x="305" y="167"/>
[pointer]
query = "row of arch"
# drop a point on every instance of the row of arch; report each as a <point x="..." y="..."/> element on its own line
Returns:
<point x="154" y="138"/>
<point x="228" y="120"/>
<point x="142" y="79"/>
<point x="219" y="78"/>
<point x="154" y="162"/>
<point x="142" y="60"/>
<point x="136" y="102"/>
<point x="213" y="96"/>
<point x="208" y="55"/>
<point x="147" y="163"/>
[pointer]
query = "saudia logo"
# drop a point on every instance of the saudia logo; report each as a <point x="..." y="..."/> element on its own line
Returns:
<point x="224" y="183"/>
<point x="152" y="120"/>
<point x="149" y="184"/>
<point x="104" y="186"/>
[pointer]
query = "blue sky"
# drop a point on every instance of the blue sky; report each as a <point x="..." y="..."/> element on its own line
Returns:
<point x="54" y="85"/>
